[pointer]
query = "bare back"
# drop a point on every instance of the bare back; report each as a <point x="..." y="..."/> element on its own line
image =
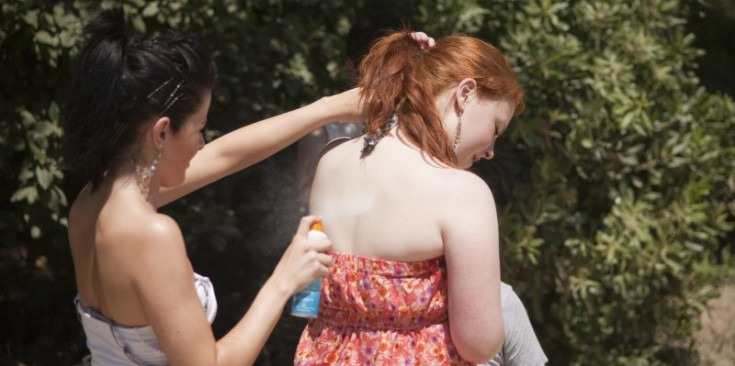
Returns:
<point x="397" y="204"/>
<point x="108" y="233"/>
<point x="390" y="204"/>
<point x="378" y="206"/>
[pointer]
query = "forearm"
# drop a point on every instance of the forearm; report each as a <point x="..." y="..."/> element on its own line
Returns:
<point x="245" y="341"/>
<point x="251" y="144"/>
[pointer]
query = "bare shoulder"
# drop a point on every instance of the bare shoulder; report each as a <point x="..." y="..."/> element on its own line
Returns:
<point x="155" y="249"/>
<point x="160" y="238"/>
<point x="162" y="226"/>
<point x="156" y="231"/>
<point x="143" y="236"/>
<point x="467" y="203"/>
<point x="464" y="187"/>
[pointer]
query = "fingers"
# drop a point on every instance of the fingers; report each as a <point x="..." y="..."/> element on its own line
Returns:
<point x="317" y="252"/>
<point x="319" y="245"/>
<point x="324" y="261"/>
<point x="304" y="259"/>
<point x="305" y="224"/>
<point x="423" y="39"/>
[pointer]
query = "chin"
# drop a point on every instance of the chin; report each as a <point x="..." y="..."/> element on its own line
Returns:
<point x="173" y="182"/>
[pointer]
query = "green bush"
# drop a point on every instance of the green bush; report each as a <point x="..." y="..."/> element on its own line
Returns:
<point x="615" y="187"/>
<point x="618" y="183"/>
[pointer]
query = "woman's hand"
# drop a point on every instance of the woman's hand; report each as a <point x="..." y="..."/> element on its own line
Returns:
<point x="304" y="260"/>
<point x="423" y="39"/>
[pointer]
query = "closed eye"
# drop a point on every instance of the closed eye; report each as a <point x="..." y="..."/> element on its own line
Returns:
<point x="497" y="130"/>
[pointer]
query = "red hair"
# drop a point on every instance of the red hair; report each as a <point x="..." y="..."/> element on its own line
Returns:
<point x="400" y="77"/>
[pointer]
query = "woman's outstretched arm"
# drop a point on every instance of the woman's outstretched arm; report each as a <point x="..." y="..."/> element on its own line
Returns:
<point x="253" y="143"/>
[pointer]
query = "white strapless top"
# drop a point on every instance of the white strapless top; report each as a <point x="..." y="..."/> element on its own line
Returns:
<point x="114" y="344"/>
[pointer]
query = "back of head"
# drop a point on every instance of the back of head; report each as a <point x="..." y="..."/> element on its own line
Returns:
<point x="120" y="84"/>
<point x="399" y="77"/>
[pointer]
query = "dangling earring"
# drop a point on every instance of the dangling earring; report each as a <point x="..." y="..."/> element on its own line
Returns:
<point x="143" y="176"/>
<point x="457" y="137"/>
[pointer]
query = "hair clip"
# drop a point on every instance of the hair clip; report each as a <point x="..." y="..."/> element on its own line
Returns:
<point x="371" y="139"/>
<point x="170" y="104"/>
<point x="160" y="87"/>
<point x="168" y="101"/>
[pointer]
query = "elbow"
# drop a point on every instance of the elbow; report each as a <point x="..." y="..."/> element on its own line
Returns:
<point x="478" y="349"/>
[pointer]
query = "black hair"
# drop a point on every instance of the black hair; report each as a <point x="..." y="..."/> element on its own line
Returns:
<point x="119" y="84"/>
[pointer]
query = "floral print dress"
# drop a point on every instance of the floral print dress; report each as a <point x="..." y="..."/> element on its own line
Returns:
<point x="380" y="312"/>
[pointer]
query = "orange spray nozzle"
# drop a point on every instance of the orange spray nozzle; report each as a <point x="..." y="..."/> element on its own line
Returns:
<point x="317" y="225"/>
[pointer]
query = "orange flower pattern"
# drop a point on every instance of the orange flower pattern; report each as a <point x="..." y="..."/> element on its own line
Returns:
<point x="380" y="312"/>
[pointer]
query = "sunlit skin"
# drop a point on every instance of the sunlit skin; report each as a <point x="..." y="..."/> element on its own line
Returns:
<point x="130" y="260"/>
<point x="483" y="121"/>
<point x="434" y="211"/>
<point x="180" y="148"/>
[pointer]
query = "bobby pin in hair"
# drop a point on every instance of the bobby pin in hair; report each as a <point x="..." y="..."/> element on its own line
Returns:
<point x="160" y="87"/>
<point x="171" y="99"/>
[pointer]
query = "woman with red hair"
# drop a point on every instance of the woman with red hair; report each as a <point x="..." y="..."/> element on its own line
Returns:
<point x="415" y="274"/>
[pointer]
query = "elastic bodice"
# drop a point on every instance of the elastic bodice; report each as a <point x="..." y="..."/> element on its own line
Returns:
<point x="114" y="344"/>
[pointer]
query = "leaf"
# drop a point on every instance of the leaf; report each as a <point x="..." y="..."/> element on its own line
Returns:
<point x="31" y="18"/>
<point x="45" y="37"/>
<point x="28" y="118"/>
<point x="30" y="194"/>
<point x="67" y="38"/>
<point x="151" y="9"/>
<point x="138" y="23"/>
<point x="626" y="120"/>
<point x="44" y="177"/>
<point x="53" y="111"/>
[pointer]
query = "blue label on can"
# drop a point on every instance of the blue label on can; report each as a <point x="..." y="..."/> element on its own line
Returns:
<point x="305" y="303"/>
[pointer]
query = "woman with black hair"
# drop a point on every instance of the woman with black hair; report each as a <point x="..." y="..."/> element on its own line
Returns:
<point x="132" y="129"/>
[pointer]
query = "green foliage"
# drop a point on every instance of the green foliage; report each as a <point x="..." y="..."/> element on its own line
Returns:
<point x="624" y="186"/>
<point x="615" y="187"/>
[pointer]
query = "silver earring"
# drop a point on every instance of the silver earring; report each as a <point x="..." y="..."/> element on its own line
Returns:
<point x="143" y="175"/>
<point x="457" y="138"/>
<point x="457" y="135"/>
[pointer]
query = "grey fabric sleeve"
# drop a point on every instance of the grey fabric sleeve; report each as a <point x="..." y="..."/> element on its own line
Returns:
<point x="521" y="346"/>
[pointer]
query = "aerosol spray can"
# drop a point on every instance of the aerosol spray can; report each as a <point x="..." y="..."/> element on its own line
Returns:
<point x="305" y="303"/>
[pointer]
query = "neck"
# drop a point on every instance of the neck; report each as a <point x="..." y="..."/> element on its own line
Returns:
<point x="137" y="181"/>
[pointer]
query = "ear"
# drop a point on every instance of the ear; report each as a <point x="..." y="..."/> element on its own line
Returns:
<point x="462" y="93"/>
<point x="161" y="129"/>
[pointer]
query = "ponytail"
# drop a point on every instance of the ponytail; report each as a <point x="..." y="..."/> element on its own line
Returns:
<point x="388" y="78"/>
<point x="90" y="115"/>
